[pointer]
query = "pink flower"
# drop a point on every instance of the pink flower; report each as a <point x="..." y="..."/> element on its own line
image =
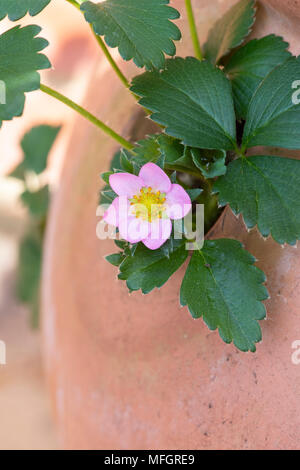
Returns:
<point x="145" y="205"/>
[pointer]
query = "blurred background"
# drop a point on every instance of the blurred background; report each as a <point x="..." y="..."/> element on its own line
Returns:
<point x="26" y="421"/>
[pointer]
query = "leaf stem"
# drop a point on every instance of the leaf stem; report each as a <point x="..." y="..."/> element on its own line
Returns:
<point x="75" y="3"/>
<point x="110" y="59"/>
<point x="193" y="29"/>
<point x="105" y="50"/>
<point x="86" y="114"/>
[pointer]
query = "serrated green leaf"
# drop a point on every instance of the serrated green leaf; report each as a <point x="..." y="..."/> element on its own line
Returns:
<point x="273" y="119"/>
<point x="37" y="202"/>
<point x="222" y="286"/>
<point x="148" y="269"/>
<point x="16" y="9"/>
<point x="250" y="64"/>
<point x="193" y="100"/>
<point x="20" y="61"/>
<point x="141" y="29"/>
<point x="230" y="31"/>
<point x="211" y="163"/>
<point x="36" y="145"/>
<point x="266" y="191"/>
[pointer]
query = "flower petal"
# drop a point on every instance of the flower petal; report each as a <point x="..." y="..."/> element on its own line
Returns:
<point x="155" y="177"/>
<point x="178" y="202"/>
<point x="111" y="215"/>
<point x="117" y="211"/>
<point x="133" y="229"/>
<point x="125" y="184"/>
<point x="160" y="231"/>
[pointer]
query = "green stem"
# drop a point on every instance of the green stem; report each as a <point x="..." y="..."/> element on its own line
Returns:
<point x="193" y="29"/>
<point x="90" y="117"/>
<point x="110" y="59"/>
<point x="75" y="3"/>
<point x="105" y="50"/>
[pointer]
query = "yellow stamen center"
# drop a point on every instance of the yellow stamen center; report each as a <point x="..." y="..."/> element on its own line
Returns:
<point x="148" y="205"/>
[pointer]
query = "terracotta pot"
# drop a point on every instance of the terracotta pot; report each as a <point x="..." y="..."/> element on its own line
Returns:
<point x="134" y="371"/>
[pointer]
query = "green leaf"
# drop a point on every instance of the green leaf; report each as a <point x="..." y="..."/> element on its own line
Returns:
<point x="184" y="162"/>
<point x="170" y="148"/>
<point x="36" y="145"/>
<point x="194" y="193"/>
<point x="29" y="270"/>
<point x="148" y="269"/>
<point x="16" y="9"/>
<point x="20" y="60"/>
<point x="273" y="119"/>
<point x="193" y="100"/>
<point x="146" y="150"/>
<point x="141" y="29"/>
<point x="126" y="162"/>
<point x="211" y="163"/>
<point x="37" y="202"/>
<point x="222" y="286"/>
<point x="19" y="172"/>
<point x="266" y="191"/>
<point x="230" y="31"/>
<point x="107" y="196"/>
<point x="105" y="176"/>
<point x="250" y="64"/>
<point x="115" y="259"/>
<point x="163" y="150"/>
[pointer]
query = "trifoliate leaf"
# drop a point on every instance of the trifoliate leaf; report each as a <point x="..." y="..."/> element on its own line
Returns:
<point x="250" y="64"/>
<point x="193" y="100"/>
<point x="266" y="191"/>
<point x="230" y="30"/>
<point x="36" y="145"/>
<point x="211" y="163"/>
<point x="148" y="269"/>
<point x="222" y="286"/>
<point x="20" y="60"/>
<point x="273" y="117"/>
<point x="37" y="202"/>
<point x="141" y="29"/>
<point x="16" y="9"/>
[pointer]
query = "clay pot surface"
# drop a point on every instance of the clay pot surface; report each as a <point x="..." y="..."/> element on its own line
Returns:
<point x="137" y="372"/>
